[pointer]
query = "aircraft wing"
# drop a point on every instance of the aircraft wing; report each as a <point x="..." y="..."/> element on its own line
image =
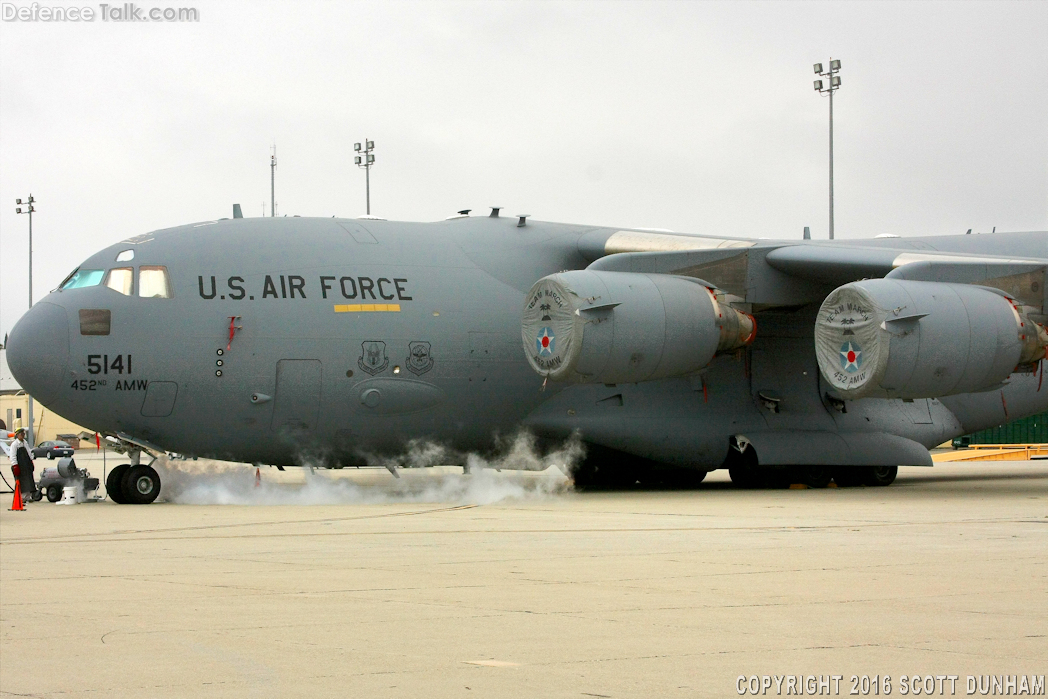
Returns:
<point x="784" y="273"/>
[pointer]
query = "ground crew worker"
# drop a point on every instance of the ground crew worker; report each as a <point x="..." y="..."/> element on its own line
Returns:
<point x="22" y="456"/>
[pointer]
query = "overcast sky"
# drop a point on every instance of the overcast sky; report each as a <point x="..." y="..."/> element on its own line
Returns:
<point x="698" y="117"/>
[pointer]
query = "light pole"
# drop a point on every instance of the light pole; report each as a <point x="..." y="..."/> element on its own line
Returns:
<point x="831" y="85"/>
<point x="29" y="209"/>
<point x="272" y="183"/>
<point x="365" y="160"/>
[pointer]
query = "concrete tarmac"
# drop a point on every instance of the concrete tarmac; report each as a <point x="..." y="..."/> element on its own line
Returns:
<point x="421" y="592"/>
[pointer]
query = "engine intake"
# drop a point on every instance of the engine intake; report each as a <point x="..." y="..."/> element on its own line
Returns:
<point x="589" y="326"/>
<point x="911" y="339"/>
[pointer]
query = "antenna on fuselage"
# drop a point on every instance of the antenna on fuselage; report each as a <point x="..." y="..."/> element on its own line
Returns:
<point x="273" y="181"/>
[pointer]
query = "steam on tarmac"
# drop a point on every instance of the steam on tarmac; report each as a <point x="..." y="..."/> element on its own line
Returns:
<point x="525" y="474"/>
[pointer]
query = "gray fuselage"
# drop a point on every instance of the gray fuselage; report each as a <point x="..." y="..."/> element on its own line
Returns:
<point x="351" y="338"/>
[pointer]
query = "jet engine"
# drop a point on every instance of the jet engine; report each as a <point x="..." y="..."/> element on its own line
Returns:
<point x="588" y="326"/>
<point x="892" y="338"/>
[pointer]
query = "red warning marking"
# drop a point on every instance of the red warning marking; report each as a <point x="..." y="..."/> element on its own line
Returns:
<point x="233" y="327"/>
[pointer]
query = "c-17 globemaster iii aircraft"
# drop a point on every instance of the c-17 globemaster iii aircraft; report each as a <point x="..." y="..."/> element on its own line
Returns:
<point x="286" y="341"/>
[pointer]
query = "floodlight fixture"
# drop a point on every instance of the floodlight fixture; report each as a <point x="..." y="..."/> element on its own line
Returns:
<point x="828" y="87"/>
<point x="29" y="209"/>
<point x="365" y="160"/>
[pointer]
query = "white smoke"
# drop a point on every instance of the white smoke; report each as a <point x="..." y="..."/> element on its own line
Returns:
<point x="525" y="474"/>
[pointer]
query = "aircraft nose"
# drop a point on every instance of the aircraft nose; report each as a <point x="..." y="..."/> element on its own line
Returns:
<point x="38" y="350"/>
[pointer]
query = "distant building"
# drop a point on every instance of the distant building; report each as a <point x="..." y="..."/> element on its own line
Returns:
<point x="14" y="411"/>
<point x="1027" y="430"/>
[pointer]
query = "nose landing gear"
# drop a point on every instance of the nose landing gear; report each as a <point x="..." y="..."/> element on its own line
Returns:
<point x="128" y="484"/>
<point x="133" y="483"/>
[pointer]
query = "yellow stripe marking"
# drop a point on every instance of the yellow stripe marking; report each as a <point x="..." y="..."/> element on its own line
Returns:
<point x="368" y="308"/>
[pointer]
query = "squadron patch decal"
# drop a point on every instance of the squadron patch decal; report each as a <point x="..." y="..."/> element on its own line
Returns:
<point x="373" y="357"/>
<point x="419" y="359"/>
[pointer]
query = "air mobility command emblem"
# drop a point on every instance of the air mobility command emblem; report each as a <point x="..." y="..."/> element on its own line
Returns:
<point x="419" y="359"/>
<point x="373" y="357"/>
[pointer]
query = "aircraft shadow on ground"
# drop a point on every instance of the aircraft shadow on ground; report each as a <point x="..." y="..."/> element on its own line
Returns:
<point x="914" y="479"/>
<point x="907" y="480"/>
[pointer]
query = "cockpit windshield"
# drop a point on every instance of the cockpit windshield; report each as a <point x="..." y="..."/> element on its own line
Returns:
<point x="121" y="280"/>
<point x="152" y="282"/>
<point x="83" y="277"/>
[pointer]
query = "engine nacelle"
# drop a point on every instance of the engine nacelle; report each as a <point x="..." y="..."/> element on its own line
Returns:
<point x="892" y="338"/>
<point x="618" y="327"/>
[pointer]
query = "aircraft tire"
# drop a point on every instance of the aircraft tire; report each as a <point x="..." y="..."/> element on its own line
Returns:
<point x="688" y="478"/>
<point x="114" y="484"/>
<point x="778" y="478"/>
<point x="744" y="477"/>
<point x="676" y="478"/>
<point x="603" y="468"/>
<point x="815" y="476"/>
<point x="849" y="476"/>
<point x="141" y="485"/>
<point x="744" y="467"/>
<point x="54" y="493"/>
<point x="880" y="476"/>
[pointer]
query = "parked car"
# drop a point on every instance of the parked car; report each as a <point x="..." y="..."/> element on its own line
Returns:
<point x="52" y="449"/>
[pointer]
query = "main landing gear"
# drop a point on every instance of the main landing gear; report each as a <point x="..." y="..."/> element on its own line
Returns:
<point x="133" y="484"/>
<point x="747" y="472"/>
<point x="746" y="476"/>
<point x="610" y="469"/>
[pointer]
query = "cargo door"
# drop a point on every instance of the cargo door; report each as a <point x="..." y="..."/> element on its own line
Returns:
<point x="296" y="406"/>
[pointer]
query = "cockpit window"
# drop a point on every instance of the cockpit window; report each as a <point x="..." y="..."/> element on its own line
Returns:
<point x="121" y="279"/>
<point x="153" y="283"/>
<point x="83" y="277"/>
<point x="126" y="256"/>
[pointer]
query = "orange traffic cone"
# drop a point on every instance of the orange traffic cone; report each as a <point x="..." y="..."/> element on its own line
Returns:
<point x="258" y="477"/>
<point x="17" y="505"/>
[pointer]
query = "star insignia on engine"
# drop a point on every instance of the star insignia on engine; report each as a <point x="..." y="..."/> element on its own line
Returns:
<point x="544" y="342"/>
<point x="851" y="357"/>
